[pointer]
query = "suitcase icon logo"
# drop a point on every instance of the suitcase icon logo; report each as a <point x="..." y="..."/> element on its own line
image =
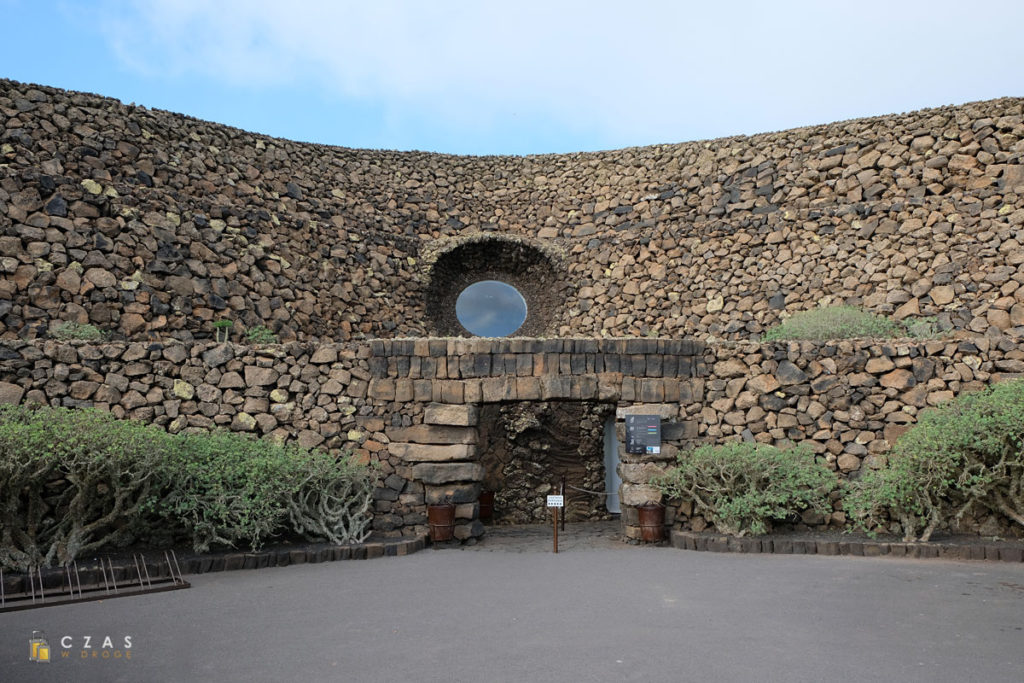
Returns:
<point x="39" y="649"/>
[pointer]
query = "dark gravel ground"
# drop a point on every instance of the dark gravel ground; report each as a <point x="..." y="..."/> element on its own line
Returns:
<point x="508" y="609"/>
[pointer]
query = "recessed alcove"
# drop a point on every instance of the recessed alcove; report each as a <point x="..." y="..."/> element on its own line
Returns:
<point x="522" y="282"/>
<point x="526" y="448"/>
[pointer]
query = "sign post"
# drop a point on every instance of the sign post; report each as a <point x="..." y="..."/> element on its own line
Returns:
<point x="555" y="502"/>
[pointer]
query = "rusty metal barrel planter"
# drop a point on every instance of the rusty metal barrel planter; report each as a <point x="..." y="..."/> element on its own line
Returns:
<point x="441" y="520"/>
<point x="486" y="505"/>
<point x="652" y="522"/>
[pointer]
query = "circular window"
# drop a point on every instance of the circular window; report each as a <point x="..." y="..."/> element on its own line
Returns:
<point x="491" y="308"/>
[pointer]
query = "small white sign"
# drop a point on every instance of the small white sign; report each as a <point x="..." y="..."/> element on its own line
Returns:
<point x="556" y="501"/>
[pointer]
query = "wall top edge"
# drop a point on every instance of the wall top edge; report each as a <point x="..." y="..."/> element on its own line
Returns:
<point x="438" y="346"/>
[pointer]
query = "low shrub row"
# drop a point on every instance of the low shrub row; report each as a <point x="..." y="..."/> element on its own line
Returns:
<point x="76" y="481"/>
<point x="965" y="455"/>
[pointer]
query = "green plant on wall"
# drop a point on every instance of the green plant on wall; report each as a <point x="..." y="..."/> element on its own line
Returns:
<point x="222" y="330"/>
<point x="925" y="327"/>
<point x="69" y="330"/>
<point x="261" y="335"/>
<point x="848" y="322"/>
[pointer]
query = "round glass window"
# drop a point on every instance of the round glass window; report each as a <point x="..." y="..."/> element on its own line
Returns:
<point x="491" y="308"/>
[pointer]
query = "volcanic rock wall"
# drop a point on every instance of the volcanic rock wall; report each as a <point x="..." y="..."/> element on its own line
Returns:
<point x="418" y="407"/>
<point x="154" y="225"/>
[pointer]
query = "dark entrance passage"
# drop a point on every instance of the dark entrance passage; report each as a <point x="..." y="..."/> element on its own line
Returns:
<point x="527" y="447"/>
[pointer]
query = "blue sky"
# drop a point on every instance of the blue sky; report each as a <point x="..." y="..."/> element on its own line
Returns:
<point x="522" y="77"/>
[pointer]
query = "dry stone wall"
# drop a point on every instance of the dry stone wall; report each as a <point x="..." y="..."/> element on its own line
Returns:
<point x="409" y="405"/>
<point x="414" y="405"/>
<point x="153" y="225"/>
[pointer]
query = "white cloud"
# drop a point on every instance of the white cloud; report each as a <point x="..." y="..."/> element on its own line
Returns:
<point x="634" y="73"/>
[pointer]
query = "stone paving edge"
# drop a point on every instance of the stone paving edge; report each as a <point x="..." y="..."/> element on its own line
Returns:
<point x="702" y="542"/>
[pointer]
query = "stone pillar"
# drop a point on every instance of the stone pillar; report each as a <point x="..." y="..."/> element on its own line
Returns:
<point x="443" y="456"/>
<point x="637" y="470"/>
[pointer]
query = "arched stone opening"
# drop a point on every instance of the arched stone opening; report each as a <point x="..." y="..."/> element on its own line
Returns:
<point x="535" y="271"/>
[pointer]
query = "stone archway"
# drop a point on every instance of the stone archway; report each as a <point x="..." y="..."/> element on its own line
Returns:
<point x="437" y="389"/>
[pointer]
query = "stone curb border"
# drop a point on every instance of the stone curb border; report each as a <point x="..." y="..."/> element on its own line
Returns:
<point x="689" y="540"/>
<point x="203" y="564"/>
<point x="125" y="569"/>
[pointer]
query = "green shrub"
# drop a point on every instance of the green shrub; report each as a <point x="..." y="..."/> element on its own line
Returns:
<point x="72" y="481"/>
<point x="743" y="487"/>
<point x="226" y="488"/>
<point x="332" y="499"/>
<point x="847" y="322"/>
<point x="968" y="453"/>
<point x="261" y="335"/>
<point x="69" y="330"/>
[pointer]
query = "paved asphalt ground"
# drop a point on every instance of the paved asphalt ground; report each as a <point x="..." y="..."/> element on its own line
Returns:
<point x="510" y="610"/>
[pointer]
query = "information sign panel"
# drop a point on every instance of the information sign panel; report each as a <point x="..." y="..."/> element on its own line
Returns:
<point x="643" y="434"/>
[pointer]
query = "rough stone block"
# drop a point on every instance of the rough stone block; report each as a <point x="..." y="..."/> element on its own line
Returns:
<point x="454" y="415"/>
<point x="471" y="391"/>
<point x="679" y="431"/>
<point x="528" y="388"/>
<point x="414" y="452"/>
<point x="652" y="391"/>
<point x="555" y="387"/>
<point x="731" y="367"/>
<point x="789" y="374"/>
<point x="495" y="389"/>
<point x="422" y="390"/>
<point x="718" y="544"/>
<point x="428" y="433"/>
<point x="453" y="493"/>
<point x="664" y="410"/>
<point x="381" y="389"/>
<point x="638" y="494"/>
<point x="898" y="379"/>
<point x="444" y="473"/>
<point x="452" y="391"/>
<point x="1011" y="554"/>
<point x="828" y="548"/>
<point x="11" y="393"/>
<point x="609" y="386"/>
<point x="324" y="354"/>
<point x="403" y="390"/>
<point x="260" y="377"/>
<point x="639" y="473"/>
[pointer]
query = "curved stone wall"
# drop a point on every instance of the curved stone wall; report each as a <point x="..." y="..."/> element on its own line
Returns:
<point x="154" y="225"/>
<point x="422" y="408"/>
